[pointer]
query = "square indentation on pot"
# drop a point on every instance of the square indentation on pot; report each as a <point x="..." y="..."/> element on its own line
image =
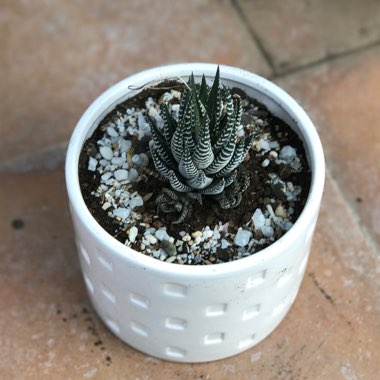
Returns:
<point x="214" y="338"/>
<point x="84" y="253"/>
<point x="216" y="310"/>
<point x="172" y="289"/>
<point x="139" y="300"/>
<point x="246" y="342"/>
<point x="108" y="294"/>
<point x="105" y="262"/>
<point x="139" y="328"/>
<point x="175" y="352"/>
<point x="256" y="279"/>
<point x="113" y="325"/>
<point x="173" y="323"/>
<point x="89" y="284"/>
<point x="251" y="312"/>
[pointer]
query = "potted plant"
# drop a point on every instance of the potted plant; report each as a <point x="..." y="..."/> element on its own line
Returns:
<point x="197" y="151"/>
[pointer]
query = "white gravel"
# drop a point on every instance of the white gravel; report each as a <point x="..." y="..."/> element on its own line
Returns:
<point x="242" y="238"/>
<point x="119" y="168"/>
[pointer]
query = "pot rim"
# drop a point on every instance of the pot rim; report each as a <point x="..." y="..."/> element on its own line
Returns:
<point x="112" y="96"/>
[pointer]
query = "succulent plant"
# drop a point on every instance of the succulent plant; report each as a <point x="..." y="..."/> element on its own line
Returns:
<point x="200" y="154"/>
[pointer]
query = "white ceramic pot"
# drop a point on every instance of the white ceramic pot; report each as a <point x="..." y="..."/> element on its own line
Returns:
<point x="193" y="313"/>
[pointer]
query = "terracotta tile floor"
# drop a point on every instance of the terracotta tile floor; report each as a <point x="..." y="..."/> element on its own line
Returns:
<point x="56" y="57"/>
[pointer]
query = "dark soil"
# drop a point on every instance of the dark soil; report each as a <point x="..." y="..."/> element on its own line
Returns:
<point x="258" y="195"/>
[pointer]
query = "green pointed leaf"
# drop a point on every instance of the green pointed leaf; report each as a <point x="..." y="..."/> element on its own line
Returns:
<point x="216" y="187"/>
<point x="203" y="92"/>
<point x="188" y="123"/>
<point x="170" y="124"/>
<point x="240" y="152"/>
<point x="176" y="144"/>
<point x="184" y="103"/>
<point x="228" y="125"/>
<point x="160" y="165"/>
<point x="160" y="143"/>
<point x="238" y="111"/>
<point x="231" y="178"/>
<point x="177" y="184"/>
<point x="186" y="166"/>
<point x="200" y="181"/>
<point x="203" y="155"/>
<point x="214" y="105"/>
<point x="223" y="157"/>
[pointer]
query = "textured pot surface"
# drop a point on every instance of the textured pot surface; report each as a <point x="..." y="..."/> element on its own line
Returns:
<point x="193" y="313"/>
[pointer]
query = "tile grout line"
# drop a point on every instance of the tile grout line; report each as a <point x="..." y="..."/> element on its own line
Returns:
<point x="254" y="37"/>
<point x="324" y="60"/>
<point x="353" y="213"/>
<point x="278" y="73"/>
<point x="48" y="159"/>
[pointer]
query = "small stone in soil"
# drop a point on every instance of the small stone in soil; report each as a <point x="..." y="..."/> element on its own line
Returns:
<point x="136" y="202"/>
<point x="121" y="174"/>
<point x="151" y="239"/>
<point x="106" y="152"/>
<point x="133" y="175"/>
<point x="242" y="238"/>
<point x="258" y="219"/>
<point x="169" y="247"/>
<point x="92" y="164"/>
<point x="161" y="234"/>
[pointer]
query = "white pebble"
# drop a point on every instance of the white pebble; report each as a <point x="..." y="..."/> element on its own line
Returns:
<point x="207" y="234"/>
<point x="106" y="205"/>
<point x="187" y="237"/>
<point x="267" y="231"/>
<point x="122" y="212"/>
<point x="264" y="144"/>
<point x="176" y="94"/>
<point x="265" y="163"/>
<point x="144" y="159"/>
<point x="196" y="234"/>
<point x="156" y="253"/>
<point x="161" y="234"/>
<point x="124" y="145"/>
<point x="92" y="164"/>
<point x="274" y="145"/>
<point x="136" y="202"/>
<point x="280" y="211"/>
<point x="133" y="234"/>
<point x="152" y="112"/>
<point x="288" y="226"/>
<point x="106" y="176"/>
<point x="106" y="152"/>
<point x="287" y="153"/>
<point x="242" y="238"/>
<point x="133" y="175"/>
<point x="118" y="161"/>
<point x="175" y="107"/>
<point x="136" y="159"/>
<point x="151" y="239"/>
<point x="166" y="97"/>
<point x="121" y="175"/>
<point x="225" y="244"/>
<point x="150" y="231"/>
<point x="258" y="219"/>
<point x="240" y="133"/>
<point x="112" y="132"/>
<point x="171" y="259"/>
<point x="141" y="120"/>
